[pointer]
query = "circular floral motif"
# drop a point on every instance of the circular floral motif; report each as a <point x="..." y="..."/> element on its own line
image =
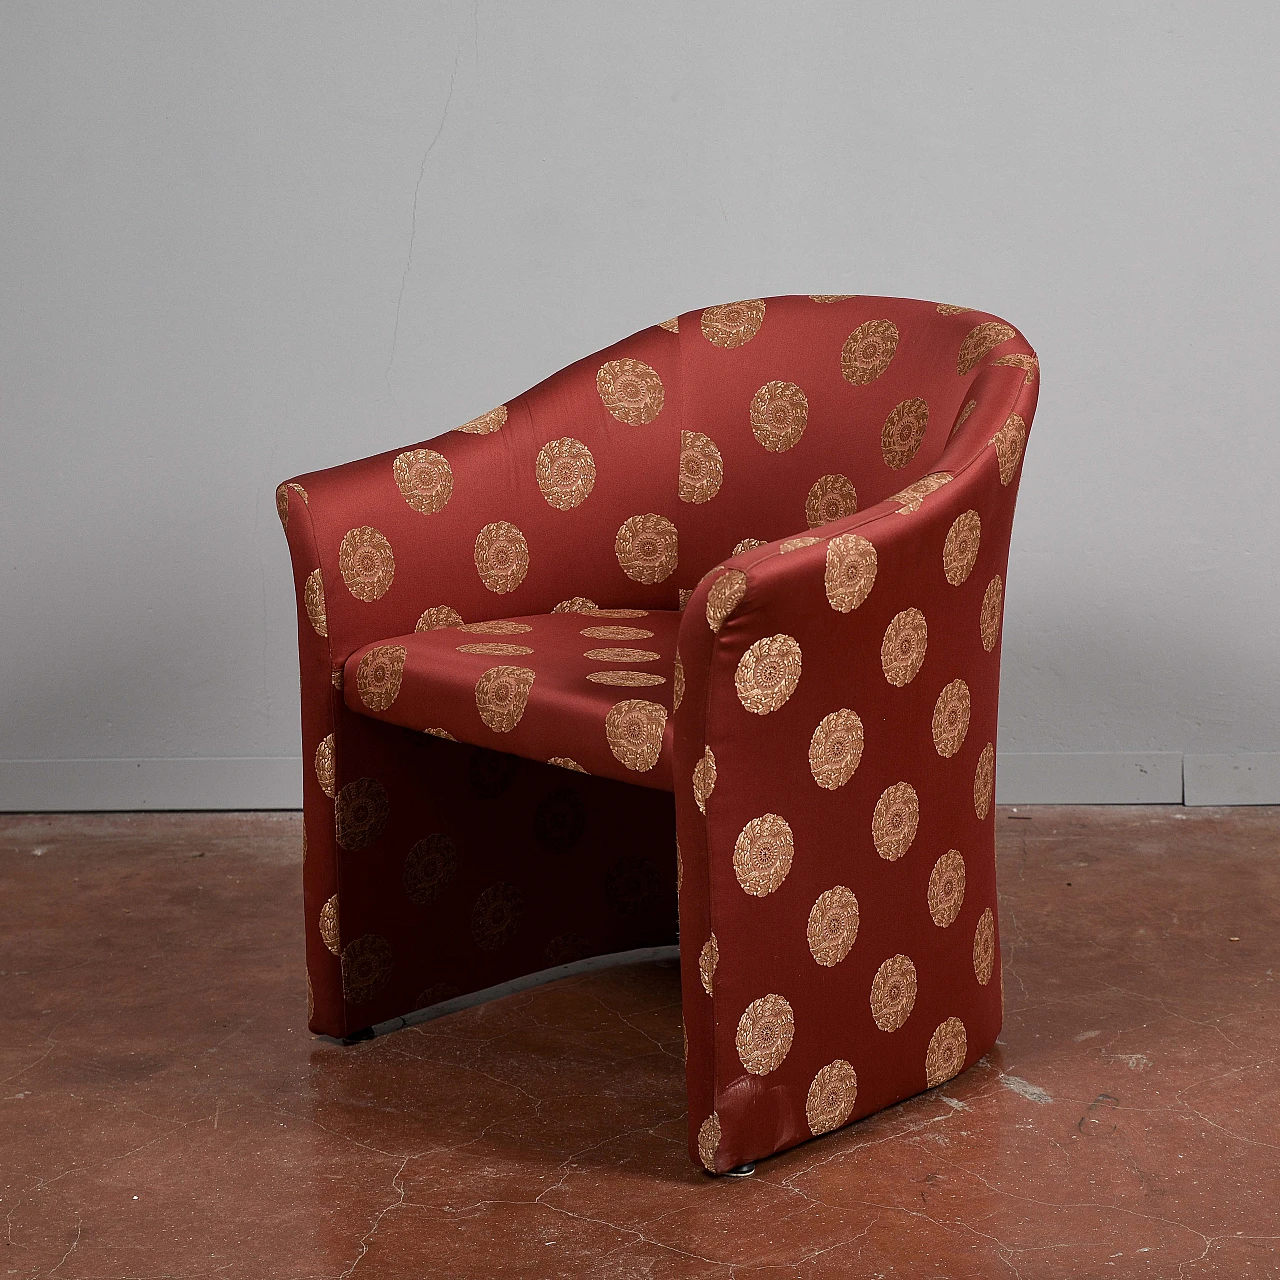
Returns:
<point x="326" y="766"/>
<point x="631" y="391"/>
<point x="630" y="679"/>
<point x="496" y="627"/>
<point x="567" y="762"/>
<point x="496" y="649"/>
<point x="495" y="916"/>
<point x="960" y="550"/>
<point x="579" y="604"/>
<point x="616" y="633"/>
<point x="424" y="478"/>
<point x="441" y="733"/>
<point x="902" y="651"/>
<point x="565" y="948"/>
<point x="502" y="694"/>
<point x="622" y="655"/>
<point x="992" y="609"/>
<point x="765" y="1032"/>
<point x="560" y="819"/>
<point x="366" y="964"/>
<point x="984" y="947"/>
<point x="647" y="548"/>
<point x="946" y="888"/>
<point x="282" y="498"/>
<point x="734" y="324"/>
<point x="686" y="594"/>
<point x="796" y="544"/>
<point x="835" y="749"/>
<point x="677" y="695"/>
<point x="947" y="1047"/>
<point x="366" y="563"/>
<point x="831" y="498"/>
<point x="565" y="472"/>
<point x="487" y="423"/>
<point x="894" y="823"/>
<point x="1028" y="364"/>
<point x="620" y="613"/>
<point x="831" y="1097"/>
<point x="335" y="678"/>
<point x="701" y="467"/>
<point x="438" y="617"/>
<point x="951" y="718"/>
<point x="708" y="958"/>
<point x="779" y="415"/>
<point x="725" y="595"/>
<point x="980" y="341"/>
<point x="429" y="867"/>
<point x="378" y="675"/>
<point x="911" y="498"/>
<point x="893" y="992"/>
<point x="984" y="782"/>
<point x="329" y="926"/>
<point x="833" y="925"/>
<point x="831" y="297"/>
<point x="634" y="730"/>
<point x="963" y="416"/>
<point x="709" y="1141"/>
<point x="313" y="600"/>
<point x="868" y="350"/>
<point x="704" y="779"/>
<point x="671" y="326"/>
<point x="747" y="544"/>
<point x="768" y="673"/>
<point x="851" y="571"/>
<point x="361" y="813"/>
<point x="502" y="557"/>
<point x="946" y="309"/>
<point x="762" y="854"/>
<point x="903" y="430"/>
<point x="1009" y="442"/>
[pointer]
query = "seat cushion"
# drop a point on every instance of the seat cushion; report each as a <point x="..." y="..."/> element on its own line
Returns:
<point x="590" y="691"/>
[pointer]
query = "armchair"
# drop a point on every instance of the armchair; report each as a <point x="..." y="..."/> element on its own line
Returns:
<point x="738" y="578"/>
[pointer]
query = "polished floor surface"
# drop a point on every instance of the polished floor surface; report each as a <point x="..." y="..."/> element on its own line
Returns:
<point x="164" y="1112"/>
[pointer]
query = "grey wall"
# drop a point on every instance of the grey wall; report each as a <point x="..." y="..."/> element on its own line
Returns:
<point x="241" y="241"/>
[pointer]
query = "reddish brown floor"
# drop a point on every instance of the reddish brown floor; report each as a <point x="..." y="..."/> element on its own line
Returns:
<point x="163" y="1111"/>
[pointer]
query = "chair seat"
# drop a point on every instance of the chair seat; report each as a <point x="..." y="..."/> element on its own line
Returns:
<point x="590" y="691"/>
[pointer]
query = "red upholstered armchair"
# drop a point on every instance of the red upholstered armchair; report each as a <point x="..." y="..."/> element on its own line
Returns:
<point x="752" y="557"/>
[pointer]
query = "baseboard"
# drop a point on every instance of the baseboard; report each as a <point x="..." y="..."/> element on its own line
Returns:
<point x="1252" y="778"/>
<point x="1089" y="777"/>
<point x="99" y="786"/>
<point x="275" y="782"/>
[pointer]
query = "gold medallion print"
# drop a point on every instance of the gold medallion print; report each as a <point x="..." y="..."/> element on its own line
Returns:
<point x="947" y="1047"/>
<point x="496" y="914"/>
<point x="992" y="610"/>
<point x="1009" y="442"/>
<point x="868" y="350"/>
<point x="831" y="498"/>
<point x="704" y="779"/>
<point x="379" y="674"/>
<point x="631" y="391"/>
<point x="902" y="652"/>
<point x="835" y="749"/>
<point x="329" y="931"/>
<point x="495" y="627"/>
<point x="671" y="326"/>
<point x="762" y="854"/>
<point x="984" y="947"/>
<point x="831" y="1098"/>
<point x="893" y="992"/>
<point x="313" y="601"/>
<point x="438" y="617"/>
<point x="1029" y="365"/>
<point x="734" y="324"/>
<point x="565" y="472"/>
<point x="946" y="309"/>
<point x="326" y="766"/>
<point x="701" y="468"/>
<point x="366" y="965"/>
<point x="366" y="563"/>
<point x="833" y="925"/>
<point x="725" y="595"/>
<point x="765" y="1032"/>
<point x="779" y="415"/>
<point x="851" y="571"/>
<point x="626" y="679"/>
<point x="709" y="1141"/>
<point x="708" y="958"/>
<point x="768" y="673"/>
<point x="951" y="718"/>
<point x="634" y="732"/>
<point x="429" y="867"/>
<point x="911" y="498"/>
<point x="567" y="762"/>
<point x="496" y="649"/>
<point x="984" y="782"/>
<point x="796" y="544"/>
<point x="960" y="551"/>
<point x="894" y="823"/>
<point x="903" y="430"/>
<point x="677" y="690"/>
<point x="647" y="548"/>
<point x="502" y="694"/>
<point x="622" y="655"/>
<point x="360" y="813"/>
<point x="616" y="633"/>
<point x="424" y="478"/>
<point x="487" y="423"/>
<point x="747" y="544"/>
<point x="946" y="888"/>
<point x="980" y="341"/>
<point x="501" y="556"/>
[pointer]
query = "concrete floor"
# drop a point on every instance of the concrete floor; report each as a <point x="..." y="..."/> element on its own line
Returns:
<point x="164" y="1112"/>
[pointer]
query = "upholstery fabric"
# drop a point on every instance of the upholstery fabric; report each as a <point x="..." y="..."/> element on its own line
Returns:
<point x="808" y="501"/>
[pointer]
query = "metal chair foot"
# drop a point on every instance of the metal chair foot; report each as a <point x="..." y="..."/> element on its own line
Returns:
<point x="742" y="1171"/>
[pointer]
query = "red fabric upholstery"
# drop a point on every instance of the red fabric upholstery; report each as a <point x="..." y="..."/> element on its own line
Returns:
<point x="826" y="487"/>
